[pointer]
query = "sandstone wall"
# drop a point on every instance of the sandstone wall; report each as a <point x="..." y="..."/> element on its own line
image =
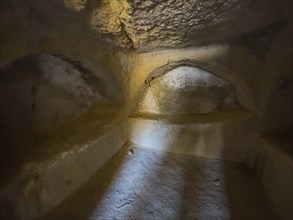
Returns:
<point x="63" y="105"/>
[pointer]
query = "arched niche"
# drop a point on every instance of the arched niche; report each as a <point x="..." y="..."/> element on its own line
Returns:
<point x="52" y="98"/>
<point x="60" y="121"/>
<point x="44" y="90"/>
<point x="186" y="90"/>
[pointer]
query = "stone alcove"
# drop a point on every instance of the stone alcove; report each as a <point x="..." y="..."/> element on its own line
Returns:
<point x="58" y="119"/>
<point x="187" y="90"/>
<point x="185" y="107"/>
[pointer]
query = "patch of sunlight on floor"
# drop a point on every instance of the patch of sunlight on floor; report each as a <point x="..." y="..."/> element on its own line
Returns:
<point x="143" y="184"/>
<point x="153" y="185"/>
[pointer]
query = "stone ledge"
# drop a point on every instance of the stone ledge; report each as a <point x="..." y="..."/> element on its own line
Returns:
<point x="42" y="185"/>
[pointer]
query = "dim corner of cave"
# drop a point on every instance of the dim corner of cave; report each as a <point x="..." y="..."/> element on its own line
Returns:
<point x="133" y="109"/>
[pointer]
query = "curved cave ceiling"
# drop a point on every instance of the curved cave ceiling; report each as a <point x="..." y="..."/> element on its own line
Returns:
<point x="145" y="25"/>
<point x="152" y="24"/>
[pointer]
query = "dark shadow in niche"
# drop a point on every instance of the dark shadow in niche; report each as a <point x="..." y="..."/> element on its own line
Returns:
<point x="259" y="41"/>
<point x="246" y="195"/>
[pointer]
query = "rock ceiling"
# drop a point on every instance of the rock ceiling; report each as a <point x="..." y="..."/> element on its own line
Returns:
<point x="153" y="24"/>
<point x="150" y="24"/>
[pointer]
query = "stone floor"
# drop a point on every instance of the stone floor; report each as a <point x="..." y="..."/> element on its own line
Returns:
<point x="141" y="184"/>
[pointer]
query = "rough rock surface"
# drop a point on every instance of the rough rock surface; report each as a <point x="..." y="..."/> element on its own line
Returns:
<point x="170" y="23"/>
<point x="146" y="25"/>
<point x="150" y="185"/>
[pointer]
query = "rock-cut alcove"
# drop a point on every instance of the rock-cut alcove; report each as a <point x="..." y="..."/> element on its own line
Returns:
<point x="187" y="90"/>
<point x="55" y="114"/>
<point x="183" y="107"/>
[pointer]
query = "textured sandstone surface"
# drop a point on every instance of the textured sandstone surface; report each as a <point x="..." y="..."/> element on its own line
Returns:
<point x="156" y="24"/>
<point x="169" y="23"/>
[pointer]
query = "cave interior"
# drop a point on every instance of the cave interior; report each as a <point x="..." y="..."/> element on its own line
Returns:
<point x="146" y="109"/>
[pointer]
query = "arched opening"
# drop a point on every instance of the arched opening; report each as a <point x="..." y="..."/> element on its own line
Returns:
<point x="187" y="90"/>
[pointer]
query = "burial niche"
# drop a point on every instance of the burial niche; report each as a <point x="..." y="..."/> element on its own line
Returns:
<point x="187" y="90"/>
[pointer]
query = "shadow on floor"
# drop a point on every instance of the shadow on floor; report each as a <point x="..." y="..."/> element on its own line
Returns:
<point x="82" y="203"/>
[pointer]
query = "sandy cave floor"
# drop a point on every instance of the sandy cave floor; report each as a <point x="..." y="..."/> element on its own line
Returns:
<point x="141" y="184"/>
